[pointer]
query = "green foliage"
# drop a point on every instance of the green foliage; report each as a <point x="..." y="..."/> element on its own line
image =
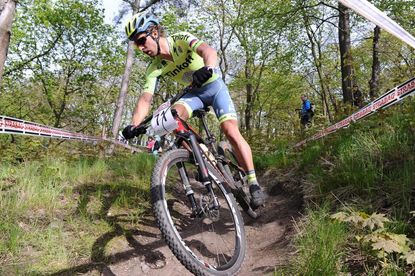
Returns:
<point x="369" y="165"/>
<point x="279" y="158"/>
<point x="389" y="248"/>
<point x="361" y="219"/>
<point x="62" y="66"/>
<point x="320" y="244"/>
<point x="54" y="211"/>
<point x="371" y="162"/>
<point x="311" y="154"/>
<point x="359" y="163"/>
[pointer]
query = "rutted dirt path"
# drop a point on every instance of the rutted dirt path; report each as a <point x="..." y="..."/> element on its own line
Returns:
<point x="144" y="252"/>
<point x="268" y="241"/>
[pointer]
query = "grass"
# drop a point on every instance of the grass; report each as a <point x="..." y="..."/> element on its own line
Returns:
<point x="279" y="158"/>
<point x="61" y="216"/>
<point x="320" y="245"/>
<point x="372" y="162"/>
<point x="56" y="214"/>
<point x="368" y="166"/>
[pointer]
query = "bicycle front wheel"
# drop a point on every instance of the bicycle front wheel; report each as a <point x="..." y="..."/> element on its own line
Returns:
<point x="210" y="243"/>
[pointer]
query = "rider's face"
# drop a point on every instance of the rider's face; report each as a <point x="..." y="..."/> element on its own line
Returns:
<point x="146" y="43"/>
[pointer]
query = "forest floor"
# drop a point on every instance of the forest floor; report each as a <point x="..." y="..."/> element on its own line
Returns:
<point x="268" y="237"/>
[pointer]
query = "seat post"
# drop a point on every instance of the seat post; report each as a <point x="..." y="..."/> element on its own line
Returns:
<point x="201" y="114"/>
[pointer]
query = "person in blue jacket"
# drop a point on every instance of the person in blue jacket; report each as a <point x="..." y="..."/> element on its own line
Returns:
<point x="307" y="112"/>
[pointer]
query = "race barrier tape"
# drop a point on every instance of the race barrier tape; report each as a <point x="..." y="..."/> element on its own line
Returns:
<point x="389" y="98"/>
<point x="9" y="125"/>
<point x="373" y="14"/>
<point x="17" y="126"/>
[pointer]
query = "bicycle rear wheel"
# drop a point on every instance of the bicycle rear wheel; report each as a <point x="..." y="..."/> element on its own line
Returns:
<point x="212" y="243"/>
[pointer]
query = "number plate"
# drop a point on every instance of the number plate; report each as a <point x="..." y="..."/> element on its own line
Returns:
<point x="163" y="121"/>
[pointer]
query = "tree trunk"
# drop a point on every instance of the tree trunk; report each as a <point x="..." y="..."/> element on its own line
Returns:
<point x="316" y="52"/>
<point x="223" y="41"/>
<point x="123" y="91"/>
<point x="345" y="54"/>
<point x="249" y="97"/>
<point x="374" y="81"/>
<point x="124" y="83"/>
<point x="7" y="9"/>
<point x="248" y="108"/>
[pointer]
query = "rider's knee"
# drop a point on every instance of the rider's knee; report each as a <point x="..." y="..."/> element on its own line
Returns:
<point x="181" y="111"/>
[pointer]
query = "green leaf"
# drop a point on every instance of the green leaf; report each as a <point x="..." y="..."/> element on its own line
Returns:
<point x="340" y="216"/>
<point x="390" y="242"/>
<point x="375" y="220"/>
<point x="409" y="257"/>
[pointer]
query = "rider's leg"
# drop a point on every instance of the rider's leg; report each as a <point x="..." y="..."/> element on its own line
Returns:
<point x="226" y="113"/>
<point x="244" y="155"/>
<point x="240" y="146"/>
<point x="187" y="104"/>
<point x="181" y="111"/>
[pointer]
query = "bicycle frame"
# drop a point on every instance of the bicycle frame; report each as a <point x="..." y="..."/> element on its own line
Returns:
<point x="189" y="139"/>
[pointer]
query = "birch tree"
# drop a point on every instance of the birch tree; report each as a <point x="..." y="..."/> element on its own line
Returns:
<point x="7" y="10"/>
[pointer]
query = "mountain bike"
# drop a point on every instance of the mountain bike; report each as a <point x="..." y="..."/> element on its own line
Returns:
<point x="195" y="188"/>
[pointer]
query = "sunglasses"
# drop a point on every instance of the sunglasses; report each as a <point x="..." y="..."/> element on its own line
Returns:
<point x="142" y="40"/>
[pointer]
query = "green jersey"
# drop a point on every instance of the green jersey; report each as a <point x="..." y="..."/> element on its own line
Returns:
<point x="182" y="47"/>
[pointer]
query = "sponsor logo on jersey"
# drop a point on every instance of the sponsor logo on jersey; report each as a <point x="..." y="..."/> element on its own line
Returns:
<point x="181" y="37"/>
<point x="180" y="67"/>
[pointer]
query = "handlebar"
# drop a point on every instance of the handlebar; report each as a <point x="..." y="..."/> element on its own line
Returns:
<point x="175" y="98"/>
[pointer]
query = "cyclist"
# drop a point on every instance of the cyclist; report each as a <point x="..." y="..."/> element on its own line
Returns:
<point x="187" y="60"/>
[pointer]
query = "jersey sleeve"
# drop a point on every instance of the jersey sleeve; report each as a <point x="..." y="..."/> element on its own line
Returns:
<point x="190" y="40"/>
<point x="151" y="78"/>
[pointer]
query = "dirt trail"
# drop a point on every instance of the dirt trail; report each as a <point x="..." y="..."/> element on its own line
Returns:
<point x="143" y="252"/>
<point x="268" y="241"/>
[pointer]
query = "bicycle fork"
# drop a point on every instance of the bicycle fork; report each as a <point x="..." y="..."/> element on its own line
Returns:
<point x="203" y="172"/>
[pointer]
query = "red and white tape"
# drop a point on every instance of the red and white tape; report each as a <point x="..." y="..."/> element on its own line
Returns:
<point x="389" y="98"/>
<point x="17" y="126"/>
<point x="9" y="125"/>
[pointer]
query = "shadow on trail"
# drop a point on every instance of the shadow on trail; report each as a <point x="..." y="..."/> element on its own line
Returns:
<point x="145" y="243"/>
<point x="147" y="252"/>
<point x="269" y="236"/>
<point x="98" y="259"/>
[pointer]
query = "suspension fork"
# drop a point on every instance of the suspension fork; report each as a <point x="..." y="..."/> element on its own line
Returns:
<point x="202" y="167"/>
<point x="186" y="185"/>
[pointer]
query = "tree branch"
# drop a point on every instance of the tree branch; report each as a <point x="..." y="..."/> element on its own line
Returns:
<point x="21" y="65"/>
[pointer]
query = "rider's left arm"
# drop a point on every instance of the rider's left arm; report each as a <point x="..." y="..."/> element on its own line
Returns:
<point x="208" y="54"/>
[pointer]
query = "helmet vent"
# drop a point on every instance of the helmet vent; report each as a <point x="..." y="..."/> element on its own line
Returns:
<point x="141" y="22"/>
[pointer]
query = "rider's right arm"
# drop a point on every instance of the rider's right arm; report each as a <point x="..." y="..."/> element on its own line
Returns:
<point x="144" y="102"/>
<point x="142" y="107"/>
<point x="153" y="72"/>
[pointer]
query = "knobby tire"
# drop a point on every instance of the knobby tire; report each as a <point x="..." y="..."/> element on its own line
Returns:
<point x="188" y="247"/>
